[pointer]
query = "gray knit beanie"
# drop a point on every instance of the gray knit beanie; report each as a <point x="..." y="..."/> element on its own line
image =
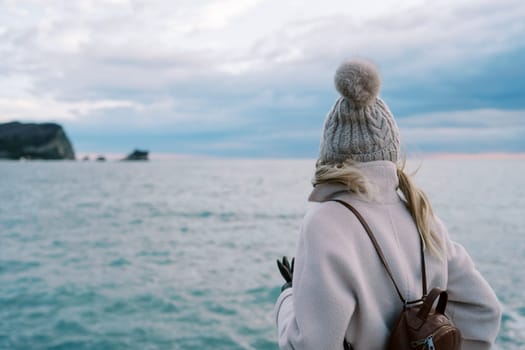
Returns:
<point x="359" y="126"/>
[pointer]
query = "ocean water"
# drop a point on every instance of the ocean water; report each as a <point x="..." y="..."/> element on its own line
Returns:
<point x="180" y="254"/>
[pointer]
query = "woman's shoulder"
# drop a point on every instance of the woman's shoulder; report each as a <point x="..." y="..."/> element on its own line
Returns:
<point x="323" y="213"/>
<point x="327" y="219"/>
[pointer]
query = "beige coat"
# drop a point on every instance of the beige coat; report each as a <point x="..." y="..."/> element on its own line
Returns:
<point x="341" y="290"/>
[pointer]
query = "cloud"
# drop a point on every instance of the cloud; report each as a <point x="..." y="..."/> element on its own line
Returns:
<point x="480" y="119"/>
<point x="236" y="66"/>
<point x="470" y="130"/>
<point x="47" y="108"/>
<point x="148" y="45"/>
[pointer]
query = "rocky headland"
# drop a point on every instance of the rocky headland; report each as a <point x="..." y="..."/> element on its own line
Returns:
<point x="34" y="141"/>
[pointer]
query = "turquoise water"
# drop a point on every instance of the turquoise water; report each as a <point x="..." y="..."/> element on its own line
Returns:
<point x="180" y="254"/>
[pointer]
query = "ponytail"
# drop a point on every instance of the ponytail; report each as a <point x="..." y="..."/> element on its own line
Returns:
<point x="419" y="206"/>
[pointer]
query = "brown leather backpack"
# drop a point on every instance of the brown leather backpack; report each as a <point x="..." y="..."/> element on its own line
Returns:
<point x="419" y="326"/>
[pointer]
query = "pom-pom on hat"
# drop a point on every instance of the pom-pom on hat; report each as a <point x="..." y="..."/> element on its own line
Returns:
<point x="358" y="81"/>
<point x="359" y="126"/>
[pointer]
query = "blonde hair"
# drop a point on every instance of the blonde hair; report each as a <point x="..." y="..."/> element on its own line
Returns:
<point x="417" y="202"/>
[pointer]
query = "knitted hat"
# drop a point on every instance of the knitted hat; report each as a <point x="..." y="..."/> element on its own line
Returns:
<point x="359" y="126"/>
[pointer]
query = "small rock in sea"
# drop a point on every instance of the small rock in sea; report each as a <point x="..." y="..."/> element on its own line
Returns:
<point x="137" y="155"/>
<point x="101" y="159"/>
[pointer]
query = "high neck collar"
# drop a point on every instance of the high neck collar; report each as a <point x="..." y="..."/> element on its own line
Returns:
<point x="382" y="175"/>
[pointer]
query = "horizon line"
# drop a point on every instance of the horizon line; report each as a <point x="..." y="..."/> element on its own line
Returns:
<point x="428" y="155"/>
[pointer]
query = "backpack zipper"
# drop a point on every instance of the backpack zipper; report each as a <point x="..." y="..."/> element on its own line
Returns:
<point x="428" y="343"/>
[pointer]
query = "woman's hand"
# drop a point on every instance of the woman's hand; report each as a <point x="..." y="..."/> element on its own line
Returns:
<point x="286" y="270"/>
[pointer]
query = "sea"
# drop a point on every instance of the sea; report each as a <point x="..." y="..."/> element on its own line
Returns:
<point x="181" y="253"/>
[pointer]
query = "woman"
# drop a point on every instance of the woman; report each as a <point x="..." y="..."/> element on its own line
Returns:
<point x="339" y="290"/>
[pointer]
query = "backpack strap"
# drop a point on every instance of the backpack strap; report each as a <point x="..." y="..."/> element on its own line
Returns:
<point x="382" y="256"/>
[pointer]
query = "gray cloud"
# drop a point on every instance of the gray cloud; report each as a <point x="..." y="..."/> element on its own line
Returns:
<point x="483" y="118"/>
<point x="229" y="64"/>
<point x="162" y="44"/>
<point x="470" y="130"/>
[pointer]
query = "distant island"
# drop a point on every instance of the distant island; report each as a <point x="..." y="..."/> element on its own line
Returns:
<point x="47" y="141"/>
<point x="34" y="141"/>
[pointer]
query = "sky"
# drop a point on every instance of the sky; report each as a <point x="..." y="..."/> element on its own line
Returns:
<point x="254" y="78"/>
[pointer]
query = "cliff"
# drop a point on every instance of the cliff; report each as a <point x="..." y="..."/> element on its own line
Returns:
<point x="34" y="141"/>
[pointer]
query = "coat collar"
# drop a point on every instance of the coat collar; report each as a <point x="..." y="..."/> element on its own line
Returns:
<point x="382" y="175"/>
